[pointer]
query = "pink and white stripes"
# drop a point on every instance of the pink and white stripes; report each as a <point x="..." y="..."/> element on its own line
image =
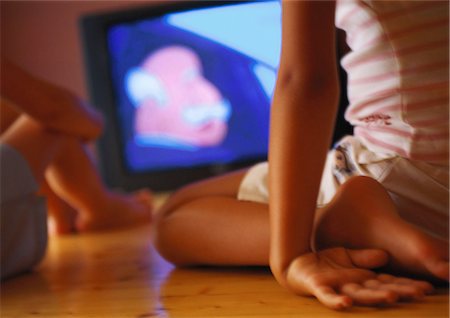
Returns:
<point x="398" y="75"/>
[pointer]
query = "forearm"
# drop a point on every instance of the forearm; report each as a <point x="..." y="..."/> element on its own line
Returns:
<point x="302" y="120"/>
<point x="54" y="107"/>
<point x="25" y="92"/>
<point x="8" y="115"/>
<point x="297" y="156"/>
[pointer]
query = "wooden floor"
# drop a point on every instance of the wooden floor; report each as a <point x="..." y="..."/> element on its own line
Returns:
<point x="119" y="274"/>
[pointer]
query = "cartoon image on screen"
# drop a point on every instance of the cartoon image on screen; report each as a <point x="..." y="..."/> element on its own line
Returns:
<point x="194" y="87"/>
<point x="175" y="105"/>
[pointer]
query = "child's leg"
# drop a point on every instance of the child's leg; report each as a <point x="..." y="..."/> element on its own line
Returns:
<point x="204" y="223"/>
<point x="62" y="216"/>
<point x="36" y="145"/>
<point x="73" y="177"/>
<point x="362" y="215"/>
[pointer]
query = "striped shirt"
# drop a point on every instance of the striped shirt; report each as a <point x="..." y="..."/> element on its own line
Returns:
<point x="398" y="76"/>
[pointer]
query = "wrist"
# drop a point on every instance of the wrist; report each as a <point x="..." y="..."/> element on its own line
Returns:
<point x="279" y="272"/>
<point x="286" y="272"/>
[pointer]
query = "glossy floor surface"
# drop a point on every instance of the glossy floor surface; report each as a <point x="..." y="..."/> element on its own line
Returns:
<point x="119" y="274"/>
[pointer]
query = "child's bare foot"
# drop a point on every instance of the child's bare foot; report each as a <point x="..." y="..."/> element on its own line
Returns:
<point x="117" y="210"/>
<point x="362" y="215"/>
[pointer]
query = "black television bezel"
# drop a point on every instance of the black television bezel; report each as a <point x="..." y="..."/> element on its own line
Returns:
<point x="93" y="28"/>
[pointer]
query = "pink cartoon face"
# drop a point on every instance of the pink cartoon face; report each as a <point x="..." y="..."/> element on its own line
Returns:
<point x="175" y="105"/>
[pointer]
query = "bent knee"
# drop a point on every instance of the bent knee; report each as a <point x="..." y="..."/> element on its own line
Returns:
<point x="166" y="240"/>
<point x="361" y="183"/>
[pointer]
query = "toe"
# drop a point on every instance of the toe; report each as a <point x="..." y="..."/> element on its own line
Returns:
<point x="439" y="268"/>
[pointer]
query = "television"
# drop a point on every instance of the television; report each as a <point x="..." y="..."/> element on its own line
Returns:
<point x="185" y="88"/>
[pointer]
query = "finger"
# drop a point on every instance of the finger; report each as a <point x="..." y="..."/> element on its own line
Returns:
<point x="424" y="286"/>
<point x="329" y="297"/>
<point x="369" y="296"/>
<point x="372" y="283"/>
<point x="439" y="269"/>
<point x="368" y="258"/>
<point x="403" y="291"/>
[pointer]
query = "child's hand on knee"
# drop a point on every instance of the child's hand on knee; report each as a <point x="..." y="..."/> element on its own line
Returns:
<point x="339" y="277"/>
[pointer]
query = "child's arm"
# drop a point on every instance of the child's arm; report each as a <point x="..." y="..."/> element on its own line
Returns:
<point x="53" y="106"/>
<point x="303" y="115"/>
<point x="8" y="115"/>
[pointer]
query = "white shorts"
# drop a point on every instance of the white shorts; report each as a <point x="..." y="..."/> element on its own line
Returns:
<point x="420" y="190"/>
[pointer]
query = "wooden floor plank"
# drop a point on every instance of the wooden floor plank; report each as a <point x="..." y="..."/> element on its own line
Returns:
<point x="119" y="274"/>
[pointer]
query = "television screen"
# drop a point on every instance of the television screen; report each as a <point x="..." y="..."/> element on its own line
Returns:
<point x="187" y="86"/>
<point x="194" y="87"/>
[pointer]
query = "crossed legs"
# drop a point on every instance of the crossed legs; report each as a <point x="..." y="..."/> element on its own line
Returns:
<point x="77" y="197"/>
<point x="215" y="228"/>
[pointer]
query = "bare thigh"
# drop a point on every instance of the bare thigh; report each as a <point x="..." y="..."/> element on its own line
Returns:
<point x="37" y="145"/>
<point x="226" y="185"/>
<point x="204" y="223"/>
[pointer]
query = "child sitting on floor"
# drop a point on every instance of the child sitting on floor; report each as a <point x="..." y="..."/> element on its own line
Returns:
<point x="382" y="199"/>
<point x="43" y="153"/>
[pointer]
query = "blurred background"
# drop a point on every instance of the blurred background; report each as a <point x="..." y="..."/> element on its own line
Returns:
<point x="43" y="37"/>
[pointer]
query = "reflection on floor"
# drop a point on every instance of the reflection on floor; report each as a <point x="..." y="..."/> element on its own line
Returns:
<point x="119" y="274"/>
